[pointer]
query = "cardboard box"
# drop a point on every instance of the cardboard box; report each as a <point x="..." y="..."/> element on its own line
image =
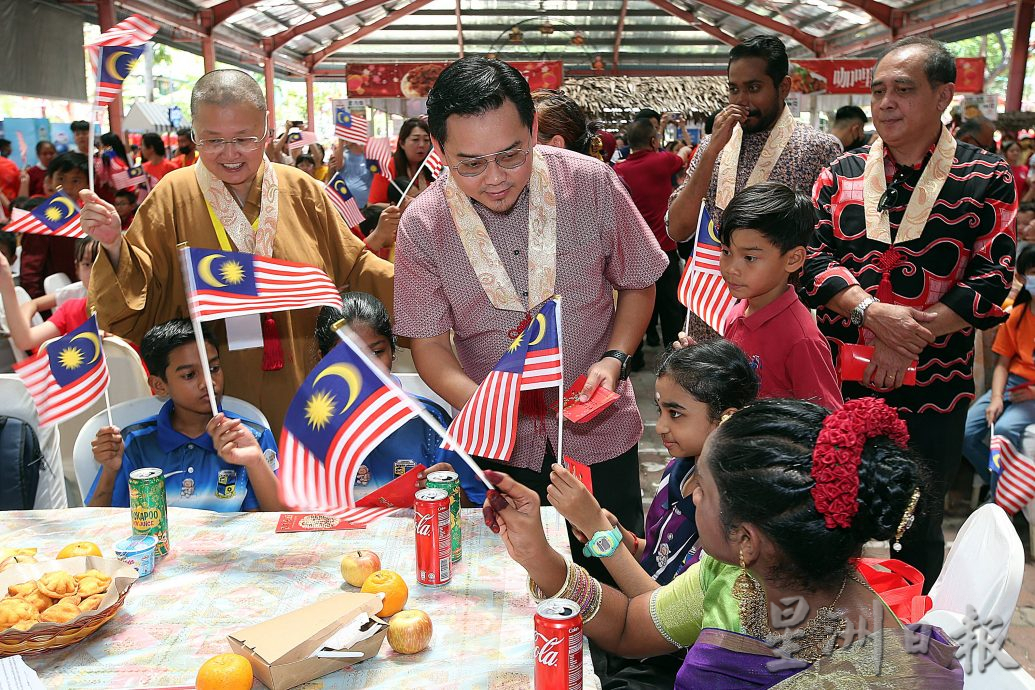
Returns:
<point x="280" y="649"/>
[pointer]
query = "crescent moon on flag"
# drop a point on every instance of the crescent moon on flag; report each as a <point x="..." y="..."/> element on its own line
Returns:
<point x="112" y="64"/>
<point x="341" y="188"/>
<point x="540" y="321"/>
<point x="67" y="203"/>
<point x="92" y="337"/>
<point x="342" y="117"/>
<point x="347" y="373"/>
<point x="711" y="231"/>
<point x="205" y="270"/>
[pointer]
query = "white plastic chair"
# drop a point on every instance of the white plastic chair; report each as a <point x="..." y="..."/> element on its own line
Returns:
<point x="54" y="282"/>
<point x="994" y="676"/>
<point x="73" y="291"/>
<point x="15" y="401"/>
<point x="130" y="412"/>
<point x="984" y="568"/>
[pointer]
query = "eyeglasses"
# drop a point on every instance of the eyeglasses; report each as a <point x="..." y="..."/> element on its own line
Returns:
<point x="508" y="160"/>
<point x="218" y="145"/>
<point x="889" y="199"/>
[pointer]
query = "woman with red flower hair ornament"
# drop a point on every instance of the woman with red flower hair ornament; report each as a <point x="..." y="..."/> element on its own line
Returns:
<point x="788" y="495"/>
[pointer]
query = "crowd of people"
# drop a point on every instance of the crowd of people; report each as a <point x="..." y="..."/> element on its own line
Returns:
<point x="890" y="249"/>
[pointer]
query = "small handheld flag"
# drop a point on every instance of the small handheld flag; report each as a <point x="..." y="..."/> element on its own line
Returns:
<point x="129" y="32"/>
<point x="56" y="216"/>
<point x="223" y="284"/>
<point x="543" y="359"/>
<point x="68" y="375"/>
<point x="348" y="126"/>
<point x="1016" y="486"/>
<point x="379" y="156"/>
<point x="342" y="199"/>
<point x="116" y="62"/>
<point x="701" y="288"/>
<point x="296" y="140"/>
<point x="434" y="164"/>
<point x="995" y="452"/>
<point x="128" y="178"/>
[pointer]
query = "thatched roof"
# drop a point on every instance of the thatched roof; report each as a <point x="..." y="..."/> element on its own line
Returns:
<point x="1013" y="121"/>
<point x="601" y="96"/>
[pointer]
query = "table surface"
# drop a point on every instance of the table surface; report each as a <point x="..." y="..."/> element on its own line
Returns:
<point x="228" y="571"/>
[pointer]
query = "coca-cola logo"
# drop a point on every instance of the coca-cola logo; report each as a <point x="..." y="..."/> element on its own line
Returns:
<point x="423" y="525"/>
<point x="546" y="649"/>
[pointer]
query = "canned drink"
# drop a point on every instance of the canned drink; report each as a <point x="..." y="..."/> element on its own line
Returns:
<point x="403" y="466"/>
<point x="558" y="645"/>
<point x="450" y="483"/>
<point x="434" y="544"/>
<point x="147" y="506"/>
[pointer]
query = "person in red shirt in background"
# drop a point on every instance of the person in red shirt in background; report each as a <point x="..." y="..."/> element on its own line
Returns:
<point x="647" y="174"/>
<point x="44" y="255"/>
<point x="126" y="206"/>
<point x="188" y="153"/>
<point x="10" y="176"/>
<point x="45" y="153"/>
<point x="152" y="148"/>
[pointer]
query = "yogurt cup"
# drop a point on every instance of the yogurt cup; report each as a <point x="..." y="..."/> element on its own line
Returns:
<point x="139" y="552"/>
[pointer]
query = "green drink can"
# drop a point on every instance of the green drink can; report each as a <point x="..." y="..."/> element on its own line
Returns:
<point x="450" y="483"/>
<point x="147" y="506"/>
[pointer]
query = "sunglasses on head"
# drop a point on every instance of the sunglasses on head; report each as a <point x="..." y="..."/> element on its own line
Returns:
<point x="889" y="199"/>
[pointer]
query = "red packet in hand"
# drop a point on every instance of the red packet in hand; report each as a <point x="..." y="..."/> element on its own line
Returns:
<point x="312" y="522"/>
<point x="853" y="360"/>
<point x="575" y="411"/>
<point x="579" y="470"/>
<point x="397" y="493"/>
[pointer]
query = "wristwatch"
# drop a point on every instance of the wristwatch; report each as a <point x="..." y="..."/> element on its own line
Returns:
<point x="603" y="544"/>
<point x="859" y="313"/>
<point x="623" y="360"/>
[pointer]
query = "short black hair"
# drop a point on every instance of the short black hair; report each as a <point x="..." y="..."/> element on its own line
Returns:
<point x="640" y="133"/>
<point x="161" y="340"/>
<point x="769" y="48"/>
<point x="783" y="216"/>
<point x="80" y="126"/>
<point x="84" y="243"/>
<point x="939" y="63"/>
<point x="648" y="113"/>
<point x="475" y="85"/>
<point x="9" y="241"/>
<point x="40" y="144"/>
<point x="67" y="162"/>
<point x="1025" y="262"/>
<point x="305" y="158"/>
<point x="714" y="372"/>
<point x="4" y="142"/>
<point x="183" y="132"/>
<point x="971" y="127"/>
<point x="850" y="112"/>
<point x="154" y="142"/>
<point x="126" y="194"/>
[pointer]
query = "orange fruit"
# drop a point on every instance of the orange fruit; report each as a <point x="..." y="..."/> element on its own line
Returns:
<point x="80" y="548"/>
<point x="225" y="672"/>
<point x="394" y="588"/>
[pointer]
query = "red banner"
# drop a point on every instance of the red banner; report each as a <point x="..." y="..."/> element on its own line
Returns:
<point x="852" y="75"/>
<point x="414" y="80"/>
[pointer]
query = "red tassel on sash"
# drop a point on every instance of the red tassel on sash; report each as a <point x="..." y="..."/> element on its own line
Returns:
<point x="887" y="261"/>
<point x="272" y="352"/>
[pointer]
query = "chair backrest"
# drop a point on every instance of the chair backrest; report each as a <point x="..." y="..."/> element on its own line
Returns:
<point x="992" y="677"/>
<point x="72" y="291"/>
<point x="54" y="282"/>
<point x="984" y="568"/>
<point x="129" y="412"/>
<point x="15" y="401"/>
<point x="24" y="297"/>
<point x="412" y="383"/>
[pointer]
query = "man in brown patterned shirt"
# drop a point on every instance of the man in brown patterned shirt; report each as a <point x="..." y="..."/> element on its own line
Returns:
<point x="508" y="226"/>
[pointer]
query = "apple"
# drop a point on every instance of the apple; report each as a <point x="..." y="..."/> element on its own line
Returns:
<point x="409" y="631"/>
<point x="357" y="566"/>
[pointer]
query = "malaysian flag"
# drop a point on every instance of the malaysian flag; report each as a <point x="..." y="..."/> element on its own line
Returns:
<point x="543" y="360"/>
<point x="296" y="140"/>
<point x="67" y="375"/>
<point x="56" y="216"/>
<point x="223" y="284"/>
<point x="348" y="126"/>
<point x="339" y="194"/>
<point x="487" y="424"/>
<point x="127" y="178"/>
<point x="342" y="411"/>
<point x="702" y="289"/>
<point x="129" y="32"/>
<point x="434" y="163"/>
<point x="1016" y="486"/>
<point x="116" y="62"/>
<point x="379" y="156"/>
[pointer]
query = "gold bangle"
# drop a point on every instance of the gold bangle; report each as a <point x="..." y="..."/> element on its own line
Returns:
<point x="539" y="595"/>
<point x="598" y="599"/>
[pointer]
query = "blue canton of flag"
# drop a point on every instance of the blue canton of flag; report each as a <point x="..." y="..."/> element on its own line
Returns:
<point x="339" y="194"/>
<point x="56" y="216"/>
<point x="116" y="62"/>
<point x="348" y="126"/>
<point x="230" y="272"/>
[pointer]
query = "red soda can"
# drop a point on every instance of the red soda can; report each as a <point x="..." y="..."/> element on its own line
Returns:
<point x="433" y="537"/>
<point x="558" y="645"/>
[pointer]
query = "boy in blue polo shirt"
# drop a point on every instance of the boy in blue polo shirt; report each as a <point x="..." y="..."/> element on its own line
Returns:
<point x="222" y="463"/>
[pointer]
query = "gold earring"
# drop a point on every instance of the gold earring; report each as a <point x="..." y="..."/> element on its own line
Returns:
<point x="907" y="521"/>
<point x="745" y="587"/>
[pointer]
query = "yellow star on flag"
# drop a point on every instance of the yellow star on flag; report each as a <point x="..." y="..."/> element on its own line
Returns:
<point x="232" y="272"/>
<point x="71" y="358"/>
<point x="319" y="409"/>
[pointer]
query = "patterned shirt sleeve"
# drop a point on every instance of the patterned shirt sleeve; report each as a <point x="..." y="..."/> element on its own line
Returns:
<point x="421" y="305"/>
<point x="634" y="259"/>
<point x="823" y="275"/>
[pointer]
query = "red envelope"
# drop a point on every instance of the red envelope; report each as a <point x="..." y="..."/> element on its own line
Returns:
<point x="853" y="360"/>
<point x="397" y="493"/>
<point x="312" y="522"/>
<point x="579" y="470"/>
<point x="575" y="411"/>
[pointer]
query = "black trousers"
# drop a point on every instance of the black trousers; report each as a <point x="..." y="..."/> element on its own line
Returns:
<point x="938" y="439"/>
<point x="671" y="314"/>
<point x="616" y="486"/>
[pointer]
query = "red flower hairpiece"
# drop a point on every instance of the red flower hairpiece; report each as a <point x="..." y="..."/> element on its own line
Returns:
<point x="838" y="452"/>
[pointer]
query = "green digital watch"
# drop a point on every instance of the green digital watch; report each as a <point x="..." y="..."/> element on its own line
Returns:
<point x="603" y="544"/>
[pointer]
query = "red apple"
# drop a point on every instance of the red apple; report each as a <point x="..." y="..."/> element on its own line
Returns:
<point x="409" y="631"/>
<point x="356" y="566"/>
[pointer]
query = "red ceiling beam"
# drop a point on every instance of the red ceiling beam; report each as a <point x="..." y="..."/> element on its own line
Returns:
<point x="316" y="58"/>
<point x="618" y="35"/>
<point x="217" y="14"/>
<point x="281" y="39"/>
<point x="816" y="45"/>
<point x="885" y="14"/>
<point x="690" y="18"/>
<point x="1019" y="56"/>
<point x="459" y="30"/>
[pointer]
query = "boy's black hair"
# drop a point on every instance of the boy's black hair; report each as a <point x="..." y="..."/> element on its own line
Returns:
<point x="769" y="48"/>
<point x="161" y="340"/>
<point x="126" y="194"/>
<point x="67" y="162"/>
<point x="305" y="158"/>
<point x="80" y="126"/>
<point x="28" y="203"/>
<point x="851" y="113"/>
<point x="783" y="216"/>
<point x="474" y="85"/>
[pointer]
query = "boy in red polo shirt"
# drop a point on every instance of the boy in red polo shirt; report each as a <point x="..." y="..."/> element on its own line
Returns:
<point x="763" y="233"/>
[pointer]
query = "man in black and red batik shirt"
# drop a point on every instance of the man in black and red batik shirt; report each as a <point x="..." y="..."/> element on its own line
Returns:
<point x="914" y="250"/>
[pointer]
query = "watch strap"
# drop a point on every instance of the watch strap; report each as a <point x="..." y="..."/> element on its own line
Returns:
<point x="616" y="540"/>
<point x="623" y="359"/>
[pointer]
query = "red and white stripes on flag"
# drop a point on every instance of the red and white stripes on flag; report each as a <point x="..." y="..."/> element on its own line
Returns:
<point x="129" y="32"/>
<point x="487" y="424"/>
<point x="297" y="140"/>
<point x="434" y="164"/>
<point x="381" y="151"/>
<point x="356" y="131"/>
<point x="701" y="288"/>
<point x="1016" y="486"/>
<point x="127" y="178"/>
<point x="360" y="517"/>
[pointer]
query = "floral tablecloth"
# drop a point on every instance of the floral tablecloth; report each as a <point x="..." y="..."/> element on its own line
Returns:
<point x="228" y="571"/>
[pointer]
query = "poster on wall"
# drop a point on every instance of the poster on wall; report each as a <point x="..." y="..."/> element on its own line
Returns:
<point x="852" y="75"/>
<point x="414" y="80"/>
<point x="24" y="133"/>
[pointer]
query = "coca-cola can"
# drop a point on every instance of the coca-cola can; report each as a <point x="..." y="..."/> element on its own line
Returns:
<point x="433" y="538"/>
<point x="558" y="645"/>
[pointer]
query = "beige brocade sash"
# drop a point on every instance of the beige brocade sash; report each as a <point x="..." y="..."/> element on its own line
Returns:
<point x="542" y="242"/>
<point x="729" y="162"/>
<point x="257" y="239"/>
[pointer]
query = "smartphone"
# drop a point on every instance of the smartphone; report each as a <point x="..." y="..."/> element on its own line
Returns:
<point x="297" y="123"/>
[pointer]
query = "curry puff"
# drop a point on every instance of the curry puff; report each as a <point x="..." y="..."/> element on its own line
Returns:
<point x="14" y="611"/>
<point x="21" y="588"/>
<point x="58" y="584"/>
<point x="91" y="603"/>
<point x="61" y="612"/>
<point x="88" y="586"/>
<point x="38" y="599"/>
